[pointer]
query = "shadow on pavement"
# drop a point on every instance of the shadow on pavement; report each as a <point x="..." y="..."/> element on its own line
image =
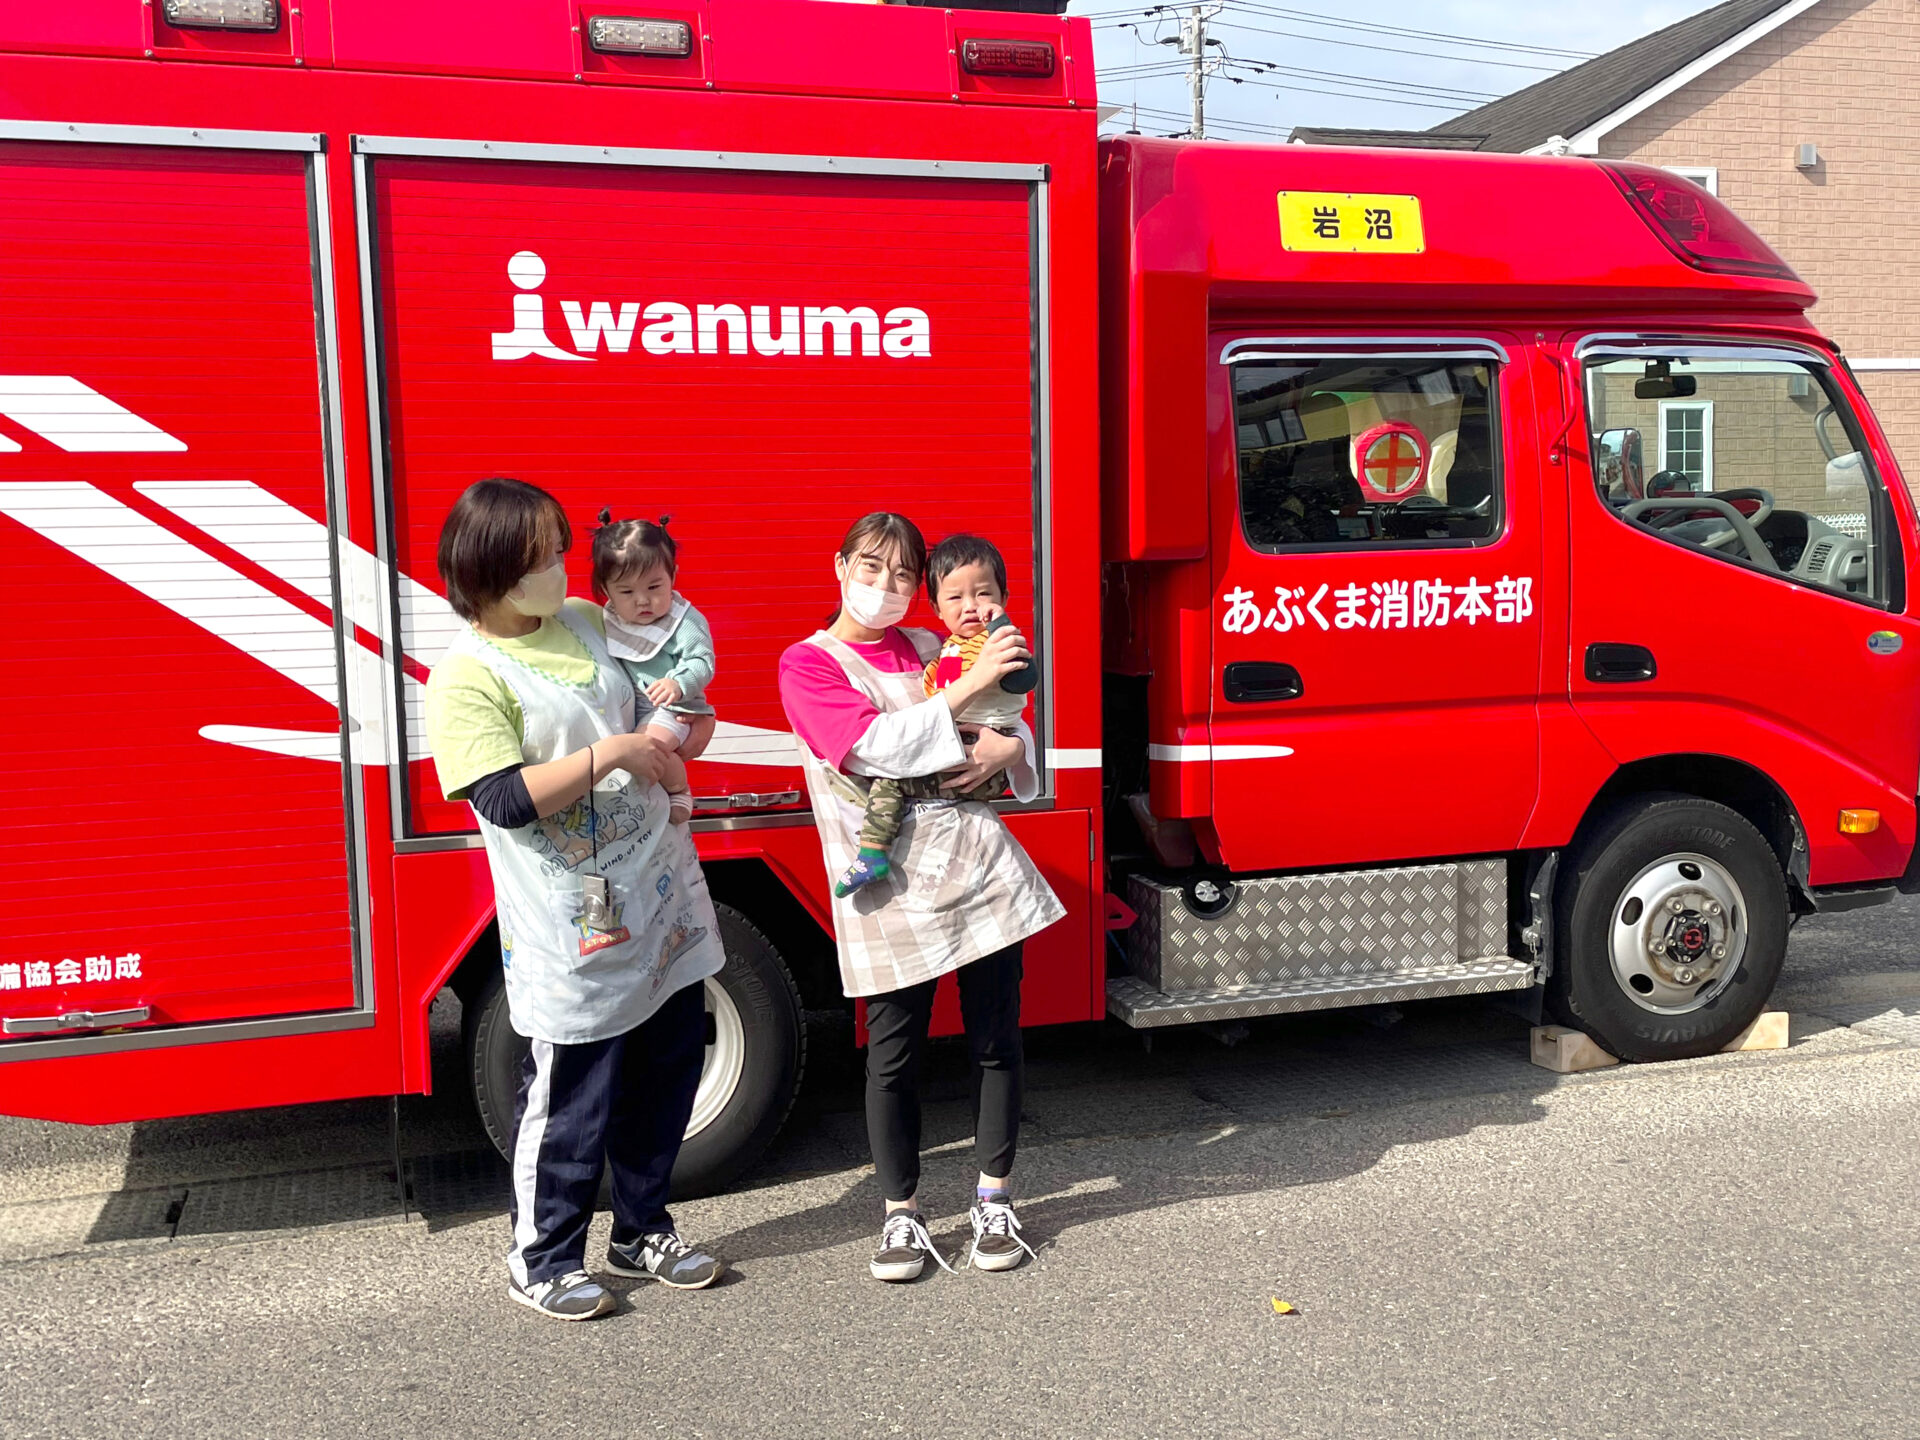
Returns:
<point x="1206" y="1115"/>
<point x="296" y="1167"/>
<point x="284" y="1168"/>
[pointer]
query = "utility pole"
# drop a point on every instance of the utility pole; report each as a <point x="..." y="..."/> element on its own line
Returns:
<point x="1193" y="44"/>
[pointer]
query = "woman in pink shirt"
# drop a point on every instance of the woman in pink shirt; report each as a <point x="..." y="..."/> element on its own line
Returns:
<point x="962" y="895"/>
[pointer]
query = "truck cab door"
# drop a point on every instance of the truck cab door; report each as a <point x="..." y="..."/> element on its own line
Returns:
<point x="1377" y="592"/>
<point x="1748" y="601"/>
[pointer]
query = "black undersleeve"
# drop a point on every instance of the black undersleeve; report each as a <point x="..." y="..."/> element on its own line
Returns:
<point x="503" y="799"/>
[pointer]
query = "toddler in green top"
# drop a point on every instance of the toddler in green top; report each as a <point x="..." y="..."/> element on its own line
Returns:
<point x="658" y="637"/>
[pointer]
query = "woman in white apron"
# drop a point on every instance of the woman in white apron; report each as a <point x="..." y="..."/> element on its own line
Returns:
<point x="606" y="927"/>
<point x="961" y="896"/>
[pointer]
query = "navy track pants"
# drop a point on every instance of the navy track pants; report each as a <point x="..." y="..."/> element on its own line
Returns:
<point x="622" y="1103"/>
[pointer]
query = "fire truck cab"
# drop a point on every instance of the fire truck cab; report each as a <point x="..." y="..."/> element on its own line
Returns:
<point x="1448" y="573"/>
<point x="1442" y="692"/>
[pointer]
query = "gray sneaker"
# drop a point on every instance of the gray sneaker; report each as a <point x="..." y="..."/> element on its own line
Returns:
<point x="665" y="1257"/>
<point x="996" y="1233"/>
<point x="571" y="1297"/>
<point x="904" y="1247"/>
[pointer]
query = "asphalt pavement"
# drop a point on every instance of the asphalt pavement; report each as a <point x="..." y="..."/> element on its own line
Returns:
<point x="1472" y="1246"/>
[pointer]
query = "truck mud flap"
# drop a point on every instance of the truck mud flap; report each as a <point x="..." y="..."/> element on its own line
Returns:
<point x="1313" y="942"/>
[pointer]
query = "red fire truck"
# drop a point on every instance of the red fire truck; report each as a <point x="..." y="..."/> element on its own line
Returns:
<point x="1367" y="675"/>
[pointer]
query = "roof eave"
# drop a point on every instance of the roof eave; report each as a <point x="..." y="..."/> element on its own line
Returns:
<point x="1587" y="141"/>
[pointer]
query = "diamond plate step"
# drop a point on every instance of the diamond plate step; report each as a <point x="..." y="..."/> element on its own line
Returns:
<point x="1140" y="1005"/>
<point x="1297" y="929"/>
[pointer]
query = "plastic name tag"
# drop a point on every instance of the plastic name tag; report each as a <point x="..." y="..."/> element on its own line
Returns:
<point x="1338" y="221"/>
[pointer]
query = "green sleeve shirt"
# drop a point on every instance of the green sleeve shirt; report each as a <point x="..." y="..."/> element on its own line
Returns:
<point x="474" y="725"/>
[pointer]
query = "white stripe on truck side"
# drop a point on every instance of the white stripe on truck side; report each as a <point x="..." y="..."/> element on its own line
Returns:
<point x="77" y="417"/>
<point x="142" y="554"/>
<point x="1073" y="759"/>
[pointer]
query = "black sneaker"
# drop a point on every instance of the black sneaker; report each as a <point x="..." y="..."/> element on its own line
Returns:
<point x="665" y="1257"/>
<point x="996" y="1233"/>
<point x="904" y="1247"/>
<point x="571" y="1297"/>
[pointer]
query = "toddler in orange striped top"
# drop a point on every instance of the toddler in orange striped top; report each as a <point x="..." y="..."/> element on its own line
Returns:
<point x="967" y="580"/>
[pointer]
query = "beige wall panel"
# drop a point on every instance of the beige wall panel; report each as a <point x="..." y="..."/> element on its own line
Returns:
<point x="1895" y="397"/>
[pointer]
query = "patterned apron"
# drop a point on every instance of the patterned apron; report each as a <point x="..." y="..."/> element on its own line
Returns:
<point x="961" y="886"/>
<point x="568" y="983"/>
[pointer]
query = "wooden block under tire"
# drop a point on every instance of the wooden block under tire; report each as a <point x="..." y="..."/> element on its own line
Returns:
<point x="1567" y="1052"/>
<point x="1768" y="1032"/>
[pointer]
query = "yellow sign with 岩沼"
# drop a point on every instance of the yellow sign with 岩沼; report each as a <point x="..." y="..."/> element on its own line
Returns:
<point x="1355" y="224"/>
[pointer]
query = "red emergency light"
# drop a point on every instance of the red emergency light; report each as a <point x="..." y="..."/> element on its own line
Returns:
<point x="1023" y="59"/>
<point x="1694" y="225"/>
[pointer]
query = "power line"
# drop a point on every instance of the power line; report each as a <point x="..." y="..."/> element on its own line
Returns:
<point x="1382" y="49"/>
<point x="1386" y="91"/>
<point x="1157" y="113"/>
<point x="1134" y="24"/>
<point x="1382" y="89"/>
<point x="1340" y="94"/>
<point x="1201" y="57"/>
<point x="1307" y="17"/>
<point x="1409" y="86"/>
<point x="1171" y="119"/>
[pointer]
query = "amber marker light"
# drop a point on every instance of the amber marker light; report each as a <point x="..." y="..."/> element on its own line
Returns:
<point x="1859" y="822"/>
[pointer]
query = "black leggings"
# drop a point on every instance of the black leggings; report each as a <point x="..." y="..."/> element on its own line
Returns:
<point x="896" y="1036"/>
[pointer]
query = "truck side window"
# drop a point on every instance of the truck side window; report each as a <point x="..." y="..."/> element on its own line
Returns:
<point x="1754" y="459"/>
<point x="1378" y="450"/>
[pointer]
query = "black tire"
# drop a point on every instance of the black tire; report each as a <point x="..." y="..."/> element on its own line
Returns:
<point x="756" y="982"/>
<point x="1585" y="991"/>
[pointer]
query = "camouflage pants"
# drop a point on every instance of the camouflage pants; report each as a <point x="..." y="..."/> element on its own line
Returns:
<point x="887" y="802"/>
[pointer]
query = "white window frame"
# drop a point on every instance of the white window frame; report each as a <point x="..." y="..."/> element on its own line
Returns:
<point x="1707" y="177"/>
<point x="1705" y="407"/>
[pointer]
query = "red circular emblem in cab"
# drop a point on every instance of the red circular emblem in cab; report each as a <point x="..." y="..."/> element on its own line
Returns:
<point x="1391" y="461"/>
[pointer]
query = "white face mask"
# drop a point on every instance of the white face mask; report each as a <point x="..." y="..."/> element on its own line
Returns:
<point x="873" y="607"/>
<point x="541" y="593"/>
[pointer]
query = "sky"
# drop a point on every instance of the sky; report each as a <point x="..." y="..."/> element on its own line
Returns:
<point x="1348" y="66"/>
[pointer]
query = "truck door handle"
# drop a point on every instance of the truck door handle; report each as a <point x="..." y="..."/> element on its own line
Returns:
<point x="74" y="1020"/>
<point x="1609" y="664"/>
<point x="1248" y="682"/>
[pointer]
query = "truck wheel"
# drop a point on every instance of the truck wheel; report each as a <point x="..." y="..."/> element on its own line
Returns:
<point x="756" y="1049"/>
<point x="1673" y="924"/>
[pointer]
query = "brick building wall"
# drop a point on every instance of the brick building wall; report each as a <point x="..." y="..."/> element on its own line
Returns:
<point x="1845" y="76"/>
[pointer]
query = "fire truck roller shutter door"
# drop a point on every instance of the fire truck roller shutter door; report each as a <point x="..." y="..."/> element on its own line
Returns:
<point x="149" y="865"/>
<point x="888" y="359"/>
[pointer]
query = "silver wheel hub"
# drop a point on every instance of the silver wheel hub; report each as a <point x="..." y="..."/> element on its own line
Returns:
<point x="726" y="1059"/>
<point x="1678" y="934"/>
